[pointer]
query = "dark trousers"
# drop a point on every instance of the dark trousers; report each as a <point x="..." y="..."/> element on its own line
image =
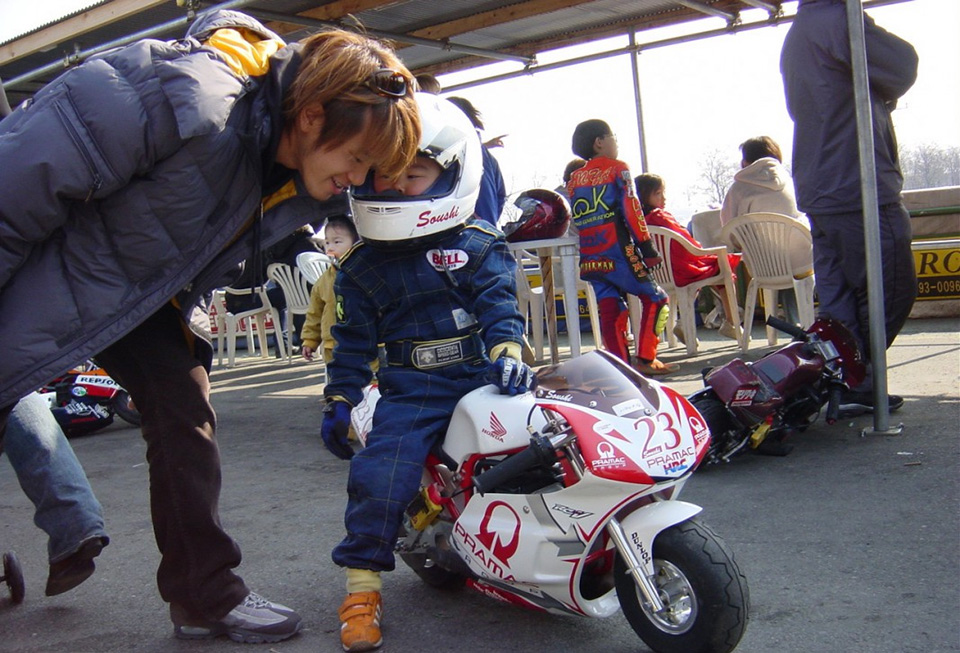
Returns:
<point x="840" y="263"/>
<point x="171" y="388"/>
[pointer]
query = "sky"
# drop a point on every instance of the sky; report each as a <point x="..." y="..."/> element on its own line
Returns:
<point x="697" y="98"/>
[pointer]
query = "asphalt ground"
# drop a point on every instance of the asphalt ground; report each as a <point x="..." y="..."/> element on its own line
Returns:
<point x="850" y="543"/>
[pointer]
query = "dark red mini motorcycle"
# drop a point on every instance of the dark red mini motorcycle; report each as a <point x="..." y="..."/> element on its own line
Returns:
<point x="759" y="405"/>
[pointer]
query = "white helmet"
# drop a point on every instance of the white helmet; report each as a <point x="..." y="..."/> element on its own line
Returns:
<point x="388" y="219"/>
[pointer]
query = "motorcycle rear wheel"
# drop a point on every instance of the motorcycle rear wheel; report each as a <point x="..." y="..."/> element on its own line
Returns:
<point x="429" y="571"/>
<point x="705" y="595"/>
<point x="121" y="406"/>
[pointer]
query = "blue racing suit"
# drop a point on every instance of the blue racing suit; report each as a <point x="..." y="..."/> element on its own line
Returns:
<point x="438" y="310"/>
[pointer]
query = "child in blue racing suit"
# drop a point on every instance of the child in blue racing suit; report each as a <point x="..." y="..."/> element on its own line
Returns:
<point x="437" y="286"/>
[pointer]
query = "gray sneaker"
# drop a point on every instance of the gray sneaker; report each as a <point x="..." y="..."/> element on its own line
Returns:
<point x="254" y="621"/>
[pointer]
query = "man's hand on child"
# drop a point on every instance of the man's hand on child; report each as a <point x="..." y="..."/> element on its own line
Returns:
<point x="336" y="426"/>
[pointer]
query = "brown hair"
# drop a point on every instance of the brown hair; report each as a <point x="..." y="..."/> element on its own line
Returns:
<point x="759" y="147"/>
<point x="647" y="184"/>
<point x="334" y="73"/>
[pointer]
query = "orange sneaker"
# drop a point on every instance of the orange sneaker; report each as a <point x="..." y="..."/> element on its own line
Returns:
<point x="360" y="621"/>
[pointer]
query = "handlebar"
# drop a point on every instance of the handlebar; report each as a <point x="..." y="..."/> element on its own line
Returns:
<point x="540" y="452"/>
<point x="787" y="327"/>
<point x="833" y="403"/>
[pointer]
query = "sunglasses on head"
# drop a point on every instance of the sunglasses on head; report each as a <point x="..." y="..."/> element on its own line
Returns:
<point x="387" y="83"/>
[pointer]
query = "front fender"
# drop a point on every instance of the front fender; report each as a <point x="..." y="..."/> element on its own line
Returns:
<point x="643" y="524"/>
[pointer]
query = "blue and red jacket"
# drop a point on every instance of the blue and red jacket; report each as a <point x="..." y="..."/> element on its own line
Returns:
<point x="610" y="221"/>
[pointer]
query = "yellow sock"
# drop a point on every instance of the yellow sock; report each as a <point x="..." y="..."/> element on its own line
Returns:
<point x="363" y="580"/>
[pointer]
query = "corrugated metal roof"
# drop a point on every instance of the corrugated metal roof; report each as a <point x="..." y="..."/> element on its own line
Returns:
<point x="442" y="29"/>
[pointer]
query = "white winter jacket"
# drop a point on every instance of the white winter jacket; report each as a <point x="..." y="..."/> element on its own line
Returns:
<point x="765" y="186"/>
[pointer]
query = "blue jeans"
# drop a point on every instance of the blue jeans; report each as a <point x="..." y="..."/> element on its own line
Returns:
<point x="52" y="478"/>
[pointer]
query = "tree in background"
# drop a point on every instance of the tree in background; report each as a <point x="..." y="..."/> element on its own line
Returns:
<point x="929" y="166"/>
<point x="716" y="174"/>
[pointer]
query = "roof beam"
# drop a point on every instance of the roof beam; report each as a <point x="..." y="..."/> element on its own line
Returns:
<point x="532" y="48"/>
<point x="401" y="38"/>
<point x="771" y="9"/>
<point x="331" y="11"/>
<point x="70" y="29"/>
<point x="731" y="18"/>
<point x="494" y="17"/>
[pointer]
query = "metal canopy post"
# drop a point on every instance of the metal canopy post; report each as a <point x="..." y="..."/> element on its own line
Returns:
<point x="871" y="221"/>
<point x="635" y="67"/>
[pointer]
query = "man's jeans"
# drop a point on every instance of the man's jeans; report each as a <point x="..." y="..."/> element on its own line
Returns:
<point x="52" y="478"/>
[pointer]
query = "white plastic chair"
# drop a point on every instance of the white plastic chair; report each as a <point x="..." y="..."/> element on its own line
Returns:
<point x="295" y="292"/>
<point x="773" y="247"/>
<point x="530" y="301"/>
<point x="705" y="228"/>
<point x="532" y="298"/>
<point x="683" y="298"/>
<point x="582" y="286"/>
<point x="228" y="324"/>
<point x="312" y="265"/>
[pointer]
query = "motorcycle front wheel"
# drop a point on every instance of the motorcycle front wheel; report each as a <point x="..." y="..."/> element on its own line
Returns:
<point x="715" y="414"/>
<point x="704" y="593"/>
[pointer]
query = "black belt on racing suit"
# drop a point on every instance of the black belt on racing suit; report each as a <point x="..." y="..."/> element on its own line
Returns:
<point x="432" y="354"/>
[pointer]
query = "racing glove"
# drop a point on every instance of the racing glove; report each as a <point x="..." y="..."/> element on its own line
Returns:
<point x="651" y="257"/>
<point x="511" y="375"/>
<point x="336" y="425"/>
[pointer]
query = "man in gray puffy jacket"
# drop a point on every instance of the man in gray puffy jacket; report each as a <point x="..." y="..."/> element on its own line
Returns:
<point x="818" y="81"/>
<point x="134" y="184"/>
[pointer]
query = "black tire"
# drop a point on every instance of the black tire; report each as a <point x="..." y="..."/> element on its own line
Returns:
<point x="705" y="594"/>
<point x="13" y="577"/>
<point x="718" y="420"/>
<point x="429" y="571"/>
<point x="121" y="406"/>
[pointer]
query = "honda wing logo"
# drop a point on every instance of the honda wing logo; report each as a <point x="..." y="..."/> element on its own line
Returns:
<point x="496" y="429"/>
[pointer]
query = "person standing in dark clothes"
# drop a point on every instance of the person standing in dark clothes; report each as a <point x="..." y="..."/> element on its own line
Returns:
<point x="493" y="192"/>
<point x="818" y="83"/>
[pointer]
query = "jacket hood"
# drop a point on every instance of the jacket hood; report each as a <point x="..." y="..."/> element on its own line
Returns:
<point x="203" y="27"/>
<point x="766" y="173"/>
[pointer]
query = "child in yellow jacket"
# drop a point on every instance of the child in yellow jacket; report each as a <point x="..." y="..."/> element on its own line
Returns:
<point x="339" y="235"/>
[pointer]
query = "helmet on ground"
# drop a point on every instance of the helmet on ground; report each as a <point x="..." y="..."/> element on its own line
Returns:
<point x="387" y="218"/>
<point x="544" y="214"/>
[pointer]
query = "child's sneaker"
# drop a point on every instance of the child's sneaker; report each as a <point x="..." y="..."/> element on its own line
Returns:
<point x="254" y="621"/>
<point x="360" y="621"/>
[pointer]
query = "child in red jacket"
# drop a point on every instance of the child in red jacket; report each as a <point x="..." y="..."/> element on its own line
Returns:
<point x="687" y="267"/>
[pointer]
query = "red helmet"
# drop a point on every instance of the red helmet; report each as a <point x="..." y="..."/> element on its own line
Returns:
<point x="544" y="214"/>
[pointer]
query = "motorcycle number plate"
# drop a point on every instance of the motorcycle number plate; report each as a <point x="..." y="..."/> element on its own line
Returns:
<point x="744" y="396"/>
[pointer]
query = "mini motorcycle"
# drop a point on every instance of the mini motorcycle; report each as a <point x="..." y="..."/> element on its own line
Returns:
<point x="86" y="399"/>
<point x="758" y="405"/>
<point x="564" y="500"/>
